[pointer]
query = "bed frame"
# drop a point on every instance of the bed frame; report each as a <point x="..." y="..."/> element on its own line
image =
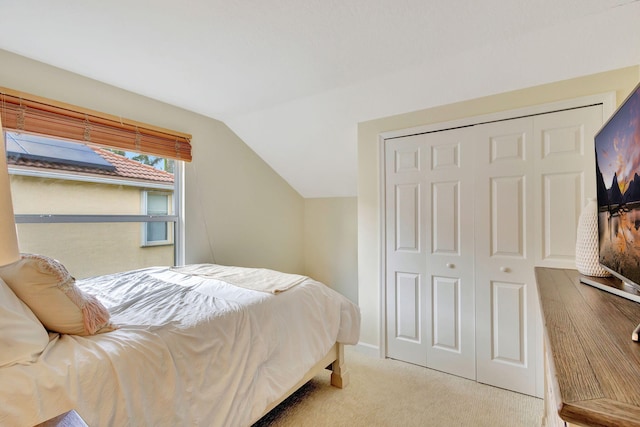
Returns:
<point x="334" y="361"/>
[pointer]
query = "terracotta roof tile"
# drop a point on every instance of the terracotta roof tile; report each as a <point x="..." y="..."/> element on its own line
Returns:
<point x="131" y="169"/>
<point x="124" y="167"/>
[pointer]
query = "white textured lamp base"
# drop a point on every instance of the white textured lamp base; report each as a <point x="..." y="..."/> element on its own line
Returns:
<point x="587" y="259"/>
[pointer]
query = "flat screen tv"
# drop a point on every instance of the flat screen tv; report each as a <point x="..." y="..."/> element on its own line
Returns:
<point x="617" y="149"/>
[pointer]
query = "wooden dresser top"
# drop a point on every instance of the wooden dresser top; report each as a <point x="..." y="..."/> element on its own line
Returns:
<point x="594" y="362"/>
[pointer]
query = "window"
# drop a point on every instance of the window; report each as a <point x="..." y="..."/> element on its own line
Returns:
<point x="76" y="177"/>
<point x="96" y="210"/>
<point x="154" y="204"/>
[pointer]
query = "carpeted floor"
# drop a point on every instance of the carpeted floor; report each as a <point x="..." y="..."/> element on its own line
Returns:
<point x="391" y="393"/>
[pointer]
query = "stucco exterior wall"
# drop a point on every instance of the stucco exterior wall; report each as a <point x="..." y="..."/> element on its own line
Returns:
<point x="86" y="249"/>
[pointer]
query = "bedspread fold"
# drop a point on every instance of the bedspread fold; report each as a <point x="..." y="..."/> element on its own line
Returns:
<point x="257" y="279"/>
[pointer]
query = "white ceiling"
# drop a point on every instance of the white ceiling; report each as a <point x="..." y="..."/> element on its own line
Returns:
<point x="294" y="77"/>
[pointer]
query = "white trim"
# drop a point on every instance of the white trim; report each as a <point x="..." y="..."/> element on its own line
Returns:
<point x="607" y="100"/>
<point x="179" y="210"/>
<point x="145" y="206"/>
<point x="382" y="241"/>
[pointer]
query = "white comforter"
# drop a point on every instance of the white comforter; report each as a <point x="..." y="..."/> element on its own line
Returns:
<point x="190" y="351"/>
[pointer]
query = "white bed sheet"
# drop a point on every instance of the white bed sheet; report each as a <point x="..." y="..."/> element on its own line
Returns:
<point x="189" y="351"/>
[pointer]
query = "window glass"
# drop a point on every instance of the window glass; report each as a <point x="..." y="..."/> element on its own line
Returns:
<point x="91" y="249"/>
<point x="93" y="209"/>
<point x="157" y="232"/>
<point x="157" y="204"/>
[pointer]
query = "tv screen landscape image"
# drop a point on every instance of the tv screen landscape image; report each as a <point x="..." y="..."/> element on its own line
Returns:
<point x="617" y="147"/>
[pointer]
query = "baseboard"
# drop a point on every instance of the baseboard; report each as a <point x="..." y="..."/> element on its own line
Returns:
<point x="368" y="349"/>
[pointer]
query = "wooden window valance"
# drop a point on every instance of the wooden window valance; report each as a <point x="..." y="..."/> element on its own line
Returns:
<point x="32" y="114"/>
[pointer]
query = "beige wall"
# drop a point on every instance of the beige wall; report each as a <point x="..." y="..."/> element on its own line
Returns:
<point x="237" y="209"/>
<point x="330" y="243"/>
<point x="369" y="227"/>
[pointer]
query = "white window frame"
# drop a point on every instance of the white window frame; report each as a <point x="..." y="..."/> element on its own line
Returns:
<point x="145" y="206"/>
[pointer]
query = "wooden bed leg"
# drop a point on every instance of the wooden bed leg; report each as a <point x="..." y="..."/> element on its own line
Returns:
<point x="339" y="374"/>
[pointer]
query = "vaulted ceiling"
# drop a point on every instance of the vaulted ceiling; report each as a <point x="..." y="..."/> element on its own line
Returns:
<point x="294" y="77"/>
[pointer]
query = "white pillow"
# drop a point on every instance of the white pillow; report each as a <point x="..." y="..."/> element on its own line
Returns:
<point x="22" y="336"/>
<point x="46" y="286"/>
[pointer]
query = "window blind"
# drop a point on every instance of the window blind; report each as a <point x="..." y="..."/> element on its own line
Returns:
<point x="32" y="114"/>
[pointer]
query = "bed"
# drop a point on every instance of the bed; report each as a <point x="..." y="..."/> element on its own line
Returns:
<point x="194" y="345"/>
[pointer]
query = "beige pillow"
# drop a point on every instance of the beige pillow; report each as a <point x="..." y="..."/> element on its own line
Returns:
<point x="22" y="336"/>
<point x="46" y="286"/>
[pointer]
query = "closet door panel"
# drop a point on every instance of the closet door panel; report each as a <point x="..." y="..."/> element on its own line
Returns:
<point x="561" y="206"/>
<point x="509" y="323"/>
<point x="449" y="265"/>
<point x="407" y="297"/>
<point x="565" y="165"/>
<point x="508" y="216"/>
<point x="406" y="289"/>
<point x="444" y="218"/>
<point x="407" y="217"/>
<point x="446" y="313"/>
<point x="505" y="286"/>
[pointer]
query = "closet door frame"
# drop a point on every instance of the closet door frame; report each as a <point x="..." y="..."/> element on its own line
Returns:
<point x="607" y="100"/>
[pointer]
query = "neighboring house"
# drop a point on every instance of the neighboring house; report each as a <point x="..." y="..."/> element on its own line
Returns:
<point x="54" y="177"/>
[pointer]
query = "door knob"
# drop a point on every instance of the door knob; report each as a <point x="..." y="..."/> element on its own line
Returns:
<point x="505" y="269"/>
<point x="449" y="265"/>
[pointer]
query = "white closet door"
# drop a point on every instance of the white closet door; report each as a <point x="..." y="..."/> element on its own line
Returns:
<point x="429" y="242"/>
<point x="506" y="296"/>
<point x="469" y="214"/>
<point x="449" y="186"/>
<point x="533" y="177"/>
<point x="565" y="167"/>
<point x="405" y="160"/>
